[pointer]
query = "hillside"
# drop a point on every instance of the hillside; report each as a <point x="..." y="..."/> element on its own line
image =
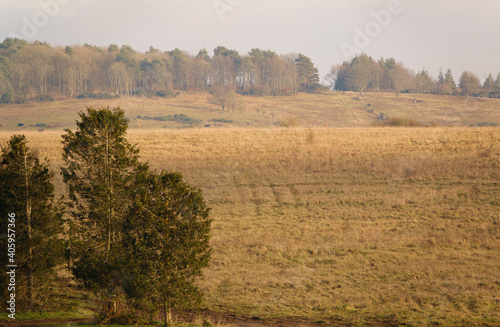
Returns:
<point x="333" y="109"/>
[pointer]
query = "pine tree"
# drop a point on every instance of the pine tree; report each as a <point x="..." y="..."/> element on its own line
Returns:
<point x="448" y="80"/>
<point x="440" y="78"/>
<point x="27" y="192"/>
<point x="100" y="167"/>
<point x="308" y="74"/>
<point x="489" y="85"/>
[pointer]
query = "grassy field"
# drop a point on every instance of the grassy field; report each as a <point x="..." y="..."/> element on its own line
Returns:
<point x="334" y="109"/>
<point x="358" y="226"/>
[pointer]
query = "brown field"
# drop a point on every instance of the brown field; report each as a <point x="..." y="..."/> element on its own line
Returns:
<point x="341" y="226"/>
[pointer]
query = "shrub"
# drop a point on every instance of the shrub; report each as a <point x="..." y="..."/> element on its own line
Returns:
<point x="43" y="98"/>
<point x="221" y="120"/>
<point x="167" y="94"/>
<point x="289" y="122"/>
<point x="6" y="98"/>
<point x="484" y="124"/>
<point x="257" y="91"/>
<point x="101" y="96"/>
<point x="408" y="122"/>
<point x="180" y="118"/>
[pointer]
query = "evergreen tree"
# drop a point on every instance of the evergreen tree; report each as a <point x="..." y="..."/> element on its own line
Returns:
<point x="27" y="192"/>
<point x="307" y="73"/>
<point x="489" y="86"/>
<point x="203" y="54"/>
<point x="166" y="236"/>
<point x="440" y="78"/>
<point x="423" y="82"/>
<point x="496" y="87"/>
<point x="100" y="167"/>
<point x="448" y="80"/>
<point x="360" y="73"/>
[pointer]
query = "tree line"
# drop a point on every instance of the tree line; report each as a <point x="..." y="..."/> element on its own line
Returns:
<point x="363" y="73"/>
<point x="136" y="238"/>
<point x="37" y="71"/>
<point x="30" y="70"/>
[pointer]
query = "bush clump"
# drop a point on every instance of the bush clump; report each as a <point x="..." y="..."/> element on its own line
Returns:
<point x="398" y="122"/>
<point x="179" y="118"/>
<point x="100" y="96"/>
<point x="43" y="98"/>
<point x="221" y="120"/>
<point x="484" y="124"/>
<point x="167" y="94"/>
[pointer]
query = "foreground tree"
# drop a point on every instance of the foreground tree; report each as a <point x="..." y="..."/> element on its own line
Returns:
<point x="100" y="169"/>
<point x="27" y="192"/>
<point x="133" y="231"/>
<point x="166" y="236"/>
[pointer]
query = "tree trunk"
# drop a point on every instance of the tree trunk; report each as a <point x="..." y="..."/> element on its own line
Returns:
<point x="30" y="241"/>
<point x="108" y="200"/>
<point x="167" y="311"/>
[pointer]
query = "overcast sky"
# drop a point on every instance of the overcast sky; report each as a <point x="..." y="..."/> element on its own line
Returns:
<point x="457" y="34"/>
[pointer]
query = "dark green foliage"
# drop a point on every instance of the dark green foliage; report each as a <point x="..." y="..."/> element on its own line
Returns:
<point x="133" y="231"/>
<point x="221" y="120"/>
<point x="360" y="73"/>
<point x="167" y="94"/>
<point x="6" y="98"/>
<point x="144" y="93"/>
<point x="308" y="74"/>
<point x="43" y="98"/>
<point x="180" y="118"/>
<point x="166" y="237"/>
<point x="484" y="124"/>
<point x="20" y="100"/>
<point x="100" y="167"/>
<point x="27" y="191"/>
<point x="102" y="96"/>
<point x="256" y="91"/>
<point x="13" y="44"/>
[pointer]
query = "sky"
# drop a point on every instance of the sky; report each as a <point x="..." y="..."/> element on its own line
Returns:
<point x="440" y="34"/>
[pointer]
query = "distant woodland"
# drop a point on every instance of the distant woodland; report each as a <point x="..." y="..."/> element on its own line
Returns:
<point x="38" y="71"/>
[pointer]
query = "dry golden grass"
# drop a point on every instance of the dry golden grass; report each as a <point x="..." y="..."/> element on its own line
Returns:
<point x="334" y="109"/>
<point x="398" y="224"/>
